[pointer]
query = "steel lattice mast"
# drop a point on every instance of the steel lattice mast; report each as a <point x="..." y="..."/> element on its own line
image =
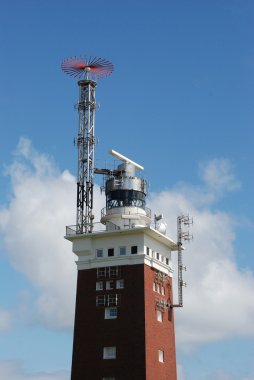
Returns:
<point x="87" y="70"/>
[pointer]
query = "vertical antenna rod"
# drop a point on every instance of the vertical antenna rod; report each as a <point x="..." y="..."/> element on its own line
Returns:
<point x="87" y="70"/>
<point x="182" y="235"/>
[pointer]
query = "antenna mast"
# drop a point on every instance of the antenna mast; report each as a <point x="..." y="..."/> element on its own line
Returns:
<point x="182" y="235"/>
<point x="87" y="70"/>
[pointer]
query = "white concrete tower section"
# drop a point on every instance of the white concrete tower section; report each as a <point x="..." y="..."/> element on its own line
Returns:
<point x="129" y="237"/>
<point x="125" y="197"/>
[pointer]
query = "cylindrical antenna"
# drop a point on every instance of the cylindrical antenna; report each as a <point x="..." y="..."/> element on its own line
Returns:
<point x="87" y="70"/>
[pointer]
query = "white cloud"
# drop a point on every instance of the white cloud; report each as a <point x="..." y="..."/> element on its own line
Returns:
<point x="218" y="298"/>
<point x="10" y="370"/>
<point x="219" y="177"/>
<point x="33" y="228"/>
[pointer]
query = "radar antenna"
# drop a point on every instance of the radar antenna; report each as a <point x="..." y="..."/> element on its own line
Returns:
<point x="87" y="70"/>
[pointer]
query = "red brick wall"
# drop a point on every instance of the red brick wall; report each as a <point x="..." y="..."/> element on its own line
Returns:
<point x="159" y="335"/>
<point x="137" y="338"/>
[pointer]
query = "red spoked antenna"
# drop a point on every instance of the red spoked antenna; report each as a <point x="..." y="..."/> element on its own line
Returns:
<point x="83" y="67"/>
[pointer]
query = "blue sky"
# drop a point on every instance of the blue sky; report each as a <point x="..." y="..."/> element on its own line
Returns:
<point x="180" y="103"/>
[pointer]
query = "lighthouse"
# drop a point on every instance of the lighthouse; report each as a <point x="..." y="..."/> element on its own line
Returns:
<point x="124" y="317"/>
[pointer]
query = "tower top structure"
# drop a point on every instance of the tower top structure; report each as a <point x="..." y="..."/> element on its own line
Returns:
<point x="87" y="70"/>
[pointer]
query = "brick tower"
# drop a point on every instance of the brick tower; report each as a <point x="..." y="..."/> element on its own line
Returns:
<point x="124" y="325"/>
<point x="124" y="322"/>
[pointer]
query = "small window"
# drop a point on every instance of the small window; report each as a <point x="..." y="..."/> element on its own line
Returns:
<point x="109" y="285"/>
<point x="122" y="251"/>
<point x="159" y="315"/>
<point x="161" y="356"/>
<point x="154" y="287"/>
<point x="147" y="251"/>
<point x="157" y="256"/>
<point x="109" y="352"/>
<point x="101" y="272"/>
<point x="113" y="300"/>
<point x="113" y="272"/>
<point x="134" y="249"/>
<point x="99" y="285"/>
<point x="167" y="261"/>
<point x="158" y="289"/>
<point x="163" y="290"/>
<point x="120" y="284"/>
<point x="110" y="252"/>
<point x="110" y="312"/>
<point x="100" y="301"/>
<point x="99" y="252"/>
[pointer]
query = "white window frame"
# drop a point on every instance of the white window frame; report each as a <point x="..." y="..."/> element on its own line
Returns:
<point x="122" y="251"/>
<point x="110" y="313"/>
<point x="159" y="316"/>
<point x="162" y="290"/>
<point x="109" y="284"/>
<point x="161" y="356"/>
<point x="154" y="286"/>
<point x="109" y="353"/>
<point x="99" y="252"/>
<point x="99" y="285"/>
<point x="120" y="284"/>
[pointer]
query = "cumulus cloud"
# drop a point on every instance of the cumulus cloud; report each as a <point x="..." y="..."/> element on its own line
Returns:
<point x="218" y="298"/>
<point x="10" y="370"/>
<point x="43" y="202"/>
<point x="219" y="177"/>
<point x="32" y="226"/>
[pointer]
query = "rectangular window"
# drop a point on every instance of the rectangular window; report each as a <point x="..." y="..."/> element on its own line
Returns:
<point x="147" y="251"/>
<point x="113" y="272"/>
<point x="99" y="285"/>
<point x="157" y="256"/>
<point x="110" y="312"/>
<point x="122" y="251"/>
<point x="113" y="300"/>
<point x="163" y="290"/>
<point x="109" y="352"/>
<point x="154" y="287"/>
<point x="99" y="252"/>
<point x="110" y="252"/>
<point x="161" y="356"/>
<point x="101" y="272"/>
<point x="109" y="285"/>
<point x="134" y="249"/>
<point x="159" y="315"/>
<point x="120" y="284"/>
<point x="100" y="301"/>
<point x="167" y="261"/>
